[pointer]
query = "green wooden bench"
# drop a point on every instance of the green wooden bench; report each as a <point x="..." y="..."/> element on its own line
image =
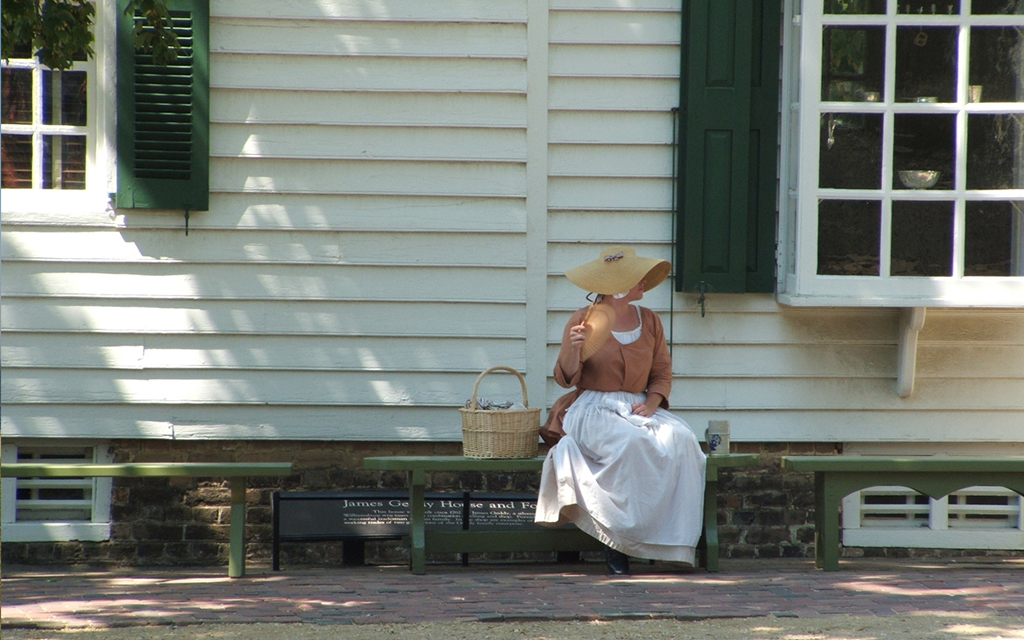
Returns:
<point x="546" y="539"/>
<point x="236" y="472"/>
<point x="836" y="477"/>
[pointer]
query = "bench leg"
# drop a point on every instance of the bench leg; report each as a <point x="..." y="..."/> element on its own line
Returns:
<point x="826" y="523"/>
<point x="417" y="536"/>
<point x="236" y="555"/>
<point x="710" y="551"/>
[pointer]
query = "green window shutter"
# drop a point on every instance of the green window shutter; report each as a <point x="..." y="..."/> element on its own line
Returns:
<point x="728" y="143"/>
<point x="163" y="116"/>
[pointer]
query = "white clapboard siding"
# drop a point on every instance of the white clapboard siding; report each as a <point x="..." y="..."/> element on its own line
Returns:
<point x="293" y="247"/>
<point x="331" y="142"/>
<point x="383" y="10"/>
<point x="382" y="177"/>
<point x="375" y="240"/>
<point x="358" y="73"/>
<point x="669" y="6"/>
<point x="624" y="194"/>
<point x="310" y="422"/>
<point x="618" y="27"/>
<point x="619" y="161"/>
<point x="368" y="38"/>
<point x="592" y="226"/>
<point x="615" y="94"/>
<point x="238" y="352"/>
<point x="601" y="127"/>
<point x="606" y="60"/>
<point x="197" y="386"/>
<point x="887" y="428"/>
<point x="341" y="212"/>
<point x="278" y="316"/>
<point x="378" y="108"/>
<point x="264" y="281"/>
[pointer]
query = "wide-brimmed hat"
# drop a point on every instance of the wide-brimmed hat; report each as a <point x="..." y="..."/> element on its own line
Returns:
<point x="618" y="270"/>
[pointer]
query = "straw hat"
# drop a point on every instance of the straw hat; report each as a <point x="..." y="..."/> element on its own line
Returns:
<point x="618" y="270"/>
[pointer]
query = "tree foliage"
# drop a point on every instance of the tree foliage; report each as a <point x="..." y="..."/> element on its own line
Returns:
<point x="61" y="31"/>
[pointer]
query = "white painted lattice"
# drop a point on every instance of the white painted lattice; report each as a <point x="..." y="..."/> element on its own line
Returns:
<point x="56" y="509"/>
<point x="974" y="518"/>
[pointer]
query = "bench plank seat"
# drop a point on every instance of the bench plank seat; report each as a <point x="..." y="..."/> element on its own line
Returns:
<point x="555" y="539"/>
<point x="836" y="477"/>
<point x="237" y="472"/>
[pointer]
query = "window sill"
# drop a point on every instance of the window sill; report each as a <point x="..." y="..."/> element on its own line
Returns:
<point x="56" y="531"/>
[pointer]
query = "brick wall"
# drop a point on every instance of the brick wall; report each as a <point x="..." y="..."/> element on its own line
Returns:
<point x="762" y="511"/>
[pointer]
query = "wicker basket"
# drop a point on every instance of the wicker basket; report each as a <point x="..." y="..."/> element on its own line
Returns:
<point x="488" y="433"/>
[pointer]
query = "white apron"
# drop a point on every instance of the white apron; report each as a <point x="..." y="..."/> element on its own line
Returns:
<point x="637" y="489"/>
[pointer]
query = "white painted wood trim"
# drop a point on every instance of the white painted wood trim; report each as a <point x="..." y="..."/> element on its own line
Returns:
<point x="911" y="323"/>
<point x="537" y="32"/>
<point x="56" y="531"/>
<point x="925" y="538"/>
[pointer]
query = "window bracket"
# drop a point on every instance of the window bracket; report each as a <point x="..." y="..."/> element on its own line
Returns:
<point x="910" y="324"/>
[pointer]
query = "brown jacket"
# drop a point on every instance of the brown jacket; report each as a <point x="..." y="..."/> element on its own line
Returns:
<point x="644" y="365"/>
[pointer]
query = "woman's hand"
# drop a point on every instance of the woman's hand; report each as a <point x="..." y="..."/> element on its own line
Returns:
<point x="642" y="409"/>
<point x="577" y="335"/>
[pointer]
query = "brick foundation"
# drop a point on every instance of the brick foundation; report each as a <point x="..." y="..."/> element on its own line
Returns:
<point x="763" y="512"/>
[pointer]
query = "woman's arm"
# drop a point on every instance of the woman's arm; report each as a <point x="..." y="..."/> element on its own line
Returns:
<point x="568" y="366"/>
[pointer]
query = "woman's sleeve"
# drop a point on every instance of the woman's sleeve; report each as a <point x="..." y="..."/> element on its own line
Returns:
<point x="560" y="376"/>
<point x="660" y="377"/>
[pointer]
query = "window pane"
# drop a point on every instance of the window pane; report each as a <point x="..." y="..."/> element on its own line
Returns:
<point x="994" y="231"/>
<point x="1003" y="7"/>
<point x="995" y="151"/>
<point x="926" y="64"/>
<point x="853" y="63"/>
<point x="922" y="239"/>
<point x="997" y="64"/>
<point x="855" y="6"/>
<point x="64" y="99"/>
<point x="63" y="162"/>
<point x="928" y="6"/>
<point x="16" y="158"/>
<point x="17" y="96"/>
<point x="851" y="151"/>
<point x="923" y="151"/>
<point x="848" y="237"/>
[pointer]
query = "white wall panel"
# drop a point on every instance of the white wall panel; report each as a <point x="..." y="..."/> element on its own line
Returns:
<point x="377" y="108"/>
<point x="435" y="11"/>
<point x="363" y="73"/>
<point x="269" y="281"/>
<point x="365" y="254"/>
<point x="261" y="317"/>
<point x="363" y="38"/>
<point x="374" y="177"/>
<point x="368" y="143"/>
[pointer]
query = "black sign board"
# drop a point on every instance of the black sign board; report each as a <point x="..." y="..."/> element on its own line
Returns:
<point x="333" y="516"/>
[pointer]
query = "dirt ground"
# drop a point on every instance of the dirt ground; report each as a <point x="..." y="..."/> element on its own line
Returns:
<point x="923" y="627"/>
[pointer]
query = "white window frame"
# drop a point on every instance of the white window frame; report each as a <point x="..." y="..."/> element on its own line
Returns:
<point x="97" y="529"/>
<point x="100" y="168"/>
<point x="799" y="283"/>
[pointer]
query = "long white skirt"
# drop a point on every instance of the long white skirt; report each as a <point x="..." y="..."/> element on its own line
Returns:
<point x="637" y="489"/>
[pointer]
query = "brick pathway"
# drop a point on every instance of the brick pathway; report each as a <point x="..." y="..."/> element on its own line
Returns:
<point x="31" y="597"/>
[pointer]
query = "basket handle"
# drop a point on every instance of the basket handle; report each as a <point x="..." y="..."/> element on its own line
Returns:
<point x="522" y="382"/>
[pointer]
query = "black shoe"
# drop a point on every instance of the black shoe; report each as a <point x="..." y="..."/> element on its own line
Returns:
<point x="618" y="562"/>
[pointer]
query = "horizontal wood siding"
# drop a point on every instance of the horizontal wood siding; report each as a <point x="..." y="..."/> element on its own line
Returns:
<point x="364" y="257"/>
<point x="361" y="263"/>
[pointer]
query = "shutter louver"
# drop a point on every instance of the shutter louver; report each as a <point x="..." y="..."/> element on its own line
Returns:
<point x="163" y="117"/>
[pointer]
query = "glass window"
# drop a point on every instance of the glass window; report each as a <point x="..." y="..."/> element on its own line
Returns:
<point x="910" y="153"/>
<point x="45" y="125"/>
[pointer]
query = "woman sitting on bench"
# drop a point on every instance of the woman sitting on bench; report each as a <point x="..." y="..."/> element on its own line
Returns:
<point x="623" y="468"/>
